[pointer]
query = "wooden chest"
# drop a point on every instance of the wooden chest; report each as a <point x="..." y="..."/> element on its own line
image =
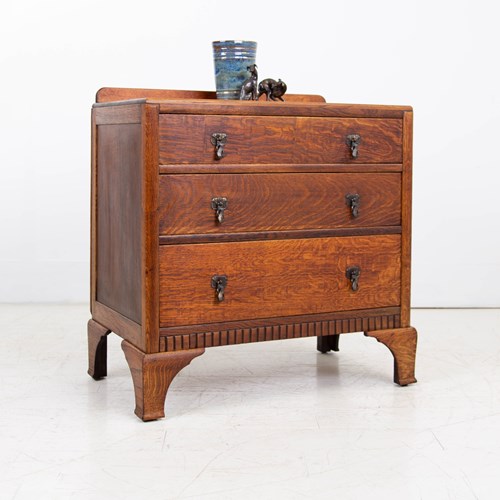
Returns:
<point x="226" y="222"/>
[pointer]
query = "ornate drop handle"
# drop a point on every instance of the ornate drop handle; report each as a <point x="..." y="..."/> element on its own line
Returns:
<point x="219" y="282"/>
<point x="352" y="274"/>
<point x="353" y="203"/>
<point x="219" y="204"/>
<point x="353" y="141"/>
<point x="219" y="140"/>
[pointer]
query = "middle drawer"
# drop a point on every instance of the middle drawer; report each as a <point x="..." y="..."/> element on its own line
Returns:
<point x="226" y="203"/>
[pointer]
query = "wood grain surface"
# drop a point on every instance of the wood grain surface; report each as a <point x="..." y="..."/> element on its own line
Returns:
<point x="149" y="234"/>
<point x="112" y="94"/>
<point x="115" y="115"/>
<point x="175" y="239"/>
<point x="270" y="108"/>
<point x="119" y="218"/>
<point x="152" y="375"/>
<point x="185" y="139"/>
<point x="119" y="324"/>
<point x="406" y="209"/>
<point x="402" y="343"/>
<point x="277" y="278"/>
<point x="215" y="335"/>
<point x="277" y="202"/>
<point x="270" y="168"/>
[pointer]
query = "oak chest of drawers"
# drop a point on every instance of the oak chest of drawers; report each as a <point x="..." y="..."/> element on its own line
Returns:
<point x="225" y="222"/>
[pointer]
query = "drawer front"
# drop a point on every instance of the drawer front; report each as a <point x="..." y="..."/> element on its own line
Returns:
<point x="187" y="139"/>
<point x="277" y="278"/>
<point x="191" y="204"/>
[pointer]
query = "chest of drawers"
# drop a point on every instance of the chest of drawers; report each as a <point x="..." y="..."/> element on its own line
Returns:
<point x="226" y="222"/>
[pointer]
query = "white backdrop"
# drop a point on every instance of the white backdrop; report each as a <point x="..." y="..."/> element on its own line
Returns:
<point x="441" y="57"/>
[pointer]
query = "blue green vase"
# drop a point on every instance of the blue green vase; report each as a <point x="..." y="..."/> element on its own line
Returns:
<point x="231" y="61"/>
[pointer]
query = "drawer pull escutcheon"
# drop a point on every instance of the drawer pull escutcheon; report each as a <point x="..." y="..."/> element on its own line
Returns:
<point x="219" y="140"/>
<point x="352" y="273"/>
<point x="353" y="203"/>
<point x="219" y="282"/>
<point x="353" y="141"/>
<point x="219" y="205"/>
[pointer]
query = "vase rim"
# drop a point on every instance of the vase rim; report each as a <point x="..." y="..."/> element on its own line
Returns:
<point x="234" y="41"/>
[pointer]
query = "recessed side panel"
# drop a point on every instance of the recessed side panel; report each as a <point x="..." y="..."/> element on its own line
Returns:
<point x="119" y="199"/>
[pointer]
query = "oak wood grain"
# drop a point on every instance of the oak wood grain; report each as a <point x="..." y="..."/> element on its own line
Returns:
<point x="263" y="108"/>
<point x="118" y="220"/>
<point x="274" y="235"/>
<point x="149" y="229"/>
<point x="402" y="343"/>
<point x="186" y="139"/>
<point x="334" y="322"/>
<point x="119" y="324"/>
<point x="406" y="219"/>
<point x="201" y="336"/>
<point x="152" y="375"/>
<point x="277" y="278"/>
<point x="115" y="115"/>
<point x="270" y="168"/>
<point x="111" y="94"/>
<point x="277" y="202"/>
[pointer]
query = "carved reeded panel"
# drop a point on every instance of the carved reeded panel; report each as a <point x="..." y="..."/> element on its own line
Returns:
<point x="277" y="332"/>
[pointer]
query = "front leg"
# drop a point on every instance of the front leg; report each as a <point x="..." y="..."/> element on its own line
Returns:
<point x="152" y="375"/>
<point x="402" y="342"/>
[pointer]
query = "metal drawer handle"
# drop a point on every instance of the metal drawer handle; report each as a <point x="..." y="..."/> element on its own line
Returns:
<point x="219" y="140"/>
<point x="353" y="141"/>
<point x="352" y="274"/>
<point x="219" y="282"/>
<point x="219" y="204"/>
<point x="353" y="202"/>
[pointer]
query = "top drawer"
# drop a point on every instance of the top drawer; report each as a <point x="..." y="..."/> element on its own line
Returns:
<point x="187" y="139"/>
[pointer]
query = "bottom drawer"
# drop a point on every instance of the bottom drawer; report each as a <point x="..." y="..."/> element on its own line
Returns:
<point x="278" y="278"/>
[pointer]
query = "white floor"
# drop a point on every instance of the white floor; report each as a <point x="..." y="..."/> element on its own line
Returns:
<point x="272" y="420"/>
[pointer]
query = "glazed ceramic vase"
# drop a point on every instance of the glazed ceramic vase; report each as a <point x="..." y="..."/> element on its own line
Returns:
<point x="231" y="61"/>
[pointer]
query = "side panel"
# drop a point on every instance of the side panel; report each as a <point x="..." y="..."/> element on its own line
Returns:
<point x="124" y="222"/>
<point x="119" y="218"/>
<point x="116" y="221"/>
